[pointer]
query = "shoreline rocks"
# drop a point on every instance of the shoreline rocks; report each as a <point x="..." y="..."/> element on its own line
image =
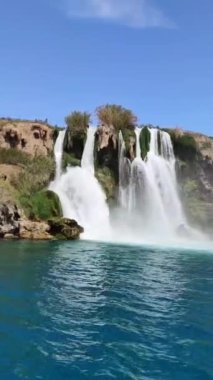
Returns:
<point x="13" y="225"/>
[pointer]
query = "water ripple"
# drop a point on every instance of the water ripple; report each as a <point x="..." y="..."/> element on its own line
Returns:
<point x="95" y="311"/>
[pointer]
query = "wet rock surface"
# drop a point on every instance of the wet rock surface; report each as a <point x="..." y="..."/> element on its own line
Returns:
<point x="13" y="225"/>
<point x="9" y="220"/>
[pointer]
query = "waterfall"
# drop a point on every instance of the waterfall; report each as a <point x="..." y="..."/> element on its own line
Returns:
<point x="124" y="173"/>
<point x="138" y="149"/>
<point x="150" y="192"/>
<point x="58" y="151"/>
<point x="161" y="166"/>
<point x="80" y="194"/>
<point x="87" y="160"/>
<point x="149" y="205"/>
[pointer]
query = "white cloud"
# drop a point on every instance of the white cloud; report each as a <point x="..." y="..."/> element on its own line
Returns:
<point x="133" y="13"/>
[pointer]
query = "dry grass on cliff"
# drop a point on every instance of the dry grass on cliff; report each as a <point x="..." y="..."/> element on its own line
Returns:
<point x="36" y="175"/>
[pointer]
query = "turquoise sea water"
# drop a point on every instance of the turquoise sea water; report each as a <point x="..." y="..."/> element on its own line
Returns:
<point x="98" y="311"/>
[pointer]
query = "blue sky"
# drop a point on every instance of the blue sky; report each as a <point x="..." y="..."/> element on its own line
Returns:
<point x="152" y="56"/>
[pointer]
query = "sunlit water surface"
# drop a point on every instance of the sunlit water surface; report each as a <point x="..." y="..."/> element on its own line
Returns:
<point x="87" y="310"/>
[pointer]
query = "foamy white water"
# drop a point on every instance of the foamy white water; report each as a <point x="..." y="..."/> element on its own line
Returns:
<point x="58" y="152"/>
<point x="138" y="148"/>
<point x="124" y="173"/>
<point x="150" y="209"/>
<point x="87" y="161"/>
<point x="150" y="194"/>
<point x="80" y="194"/>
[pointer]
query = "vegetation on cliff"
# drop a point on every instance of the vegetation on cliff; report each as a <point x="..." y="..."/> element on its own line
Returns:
<point x="184" y="144"/>
<point x="108" y="182"/>
<point x="70" y="160"/>
<point x="25" y="175"/>
<point x="13" y="156"/>
<point x="37" y="173"/>
<point x="42" y="205"/>
<point x="116" y="115"/>
<point x="113" y="118"/>
<point x="27" y="166"/>
<point x="28" y="210"/>
<point x="145" y="138"/>
<point x="75" y="137"/>
<point x="6" y="120"/>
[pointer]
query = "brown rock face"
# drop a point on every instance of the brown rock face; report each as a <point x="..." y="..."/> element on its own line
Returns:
<point x="63" y="228"/>
<point x="205" y="145"/>
<point x="131" y="148"/>
<point x="106" y="137"/>
<point x="9" y="220"/>
<point x="106" y="149"/>
<point x="8" y="172"/>
<point x="14" y="226"/>
<point x="194" y="154"/>
<point x="32" y="138"/>
<point x="57" y="228"/>
<point x="30" y="230"/>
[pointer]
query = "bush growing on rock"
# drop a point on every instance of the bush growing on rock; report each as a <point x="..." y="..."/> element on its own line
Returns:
<point x="77" y="121"/>
<point x="130" y="143"/>
<point x="75" y="137"/>
<point x="70" y="160"/>
<point x="116" y="115"/>
<point x="145" y="138"/>
<point x="42" y="205"/>
<point x="36" y="175"/>
<point x="185" y="146"/>
<point x="13" y="156"/>
<point x="107" y="180"/>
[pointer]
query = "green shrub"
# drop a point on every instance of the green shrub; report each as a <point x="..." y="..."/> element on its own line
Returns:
<point x="145" y="138"/>
<point x="128" y="135"/>
<point x="77" y="120"/>
<point x="185" y="146"/>
<point x="70" y="160"/>
<point x="14" y="156"/>
<point x="42" y="205"/>
<point x="106" y="178"/>
<point x="76" y="133"/>
<point x="37" y="174"/>
<point x="116" y="115"/>
<point x="159" y="143"/>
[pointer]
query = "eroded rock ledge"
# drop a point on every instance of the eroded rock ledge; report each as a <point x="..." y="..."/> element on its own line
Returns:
<point x="13" y="225"/>
<point x="34" y="138"/>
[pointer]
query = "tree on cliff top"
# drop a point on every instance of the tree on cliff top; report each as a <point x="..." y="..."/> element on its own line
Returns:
<point x="77" y="121"/>
<point x="75" y="137"/>
<point x="118" y="116"/>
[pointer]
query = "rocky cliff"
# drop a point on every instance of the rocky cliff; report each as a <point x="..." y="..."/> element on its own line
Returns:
<point x="27" y="166"/>
<point x="194" y="154"/>
<point x="27" y="209"/>
<point x="194" y="166"/>
<point x="35" y="138"/>
<point x="14" y="225"/>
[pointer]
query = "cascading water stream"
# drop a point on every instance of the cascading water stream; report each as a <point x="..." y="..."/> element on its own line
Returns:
<point x="161" y="166"/>
<point x="87" y="161"/>
<point x="150" y="209"/>
<point x="58" y="151"/>
<point x="138" y="149"/>
<point x="124" y="173"/>
<point x="150" y="192"/>
<point x="80" y="194"/>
